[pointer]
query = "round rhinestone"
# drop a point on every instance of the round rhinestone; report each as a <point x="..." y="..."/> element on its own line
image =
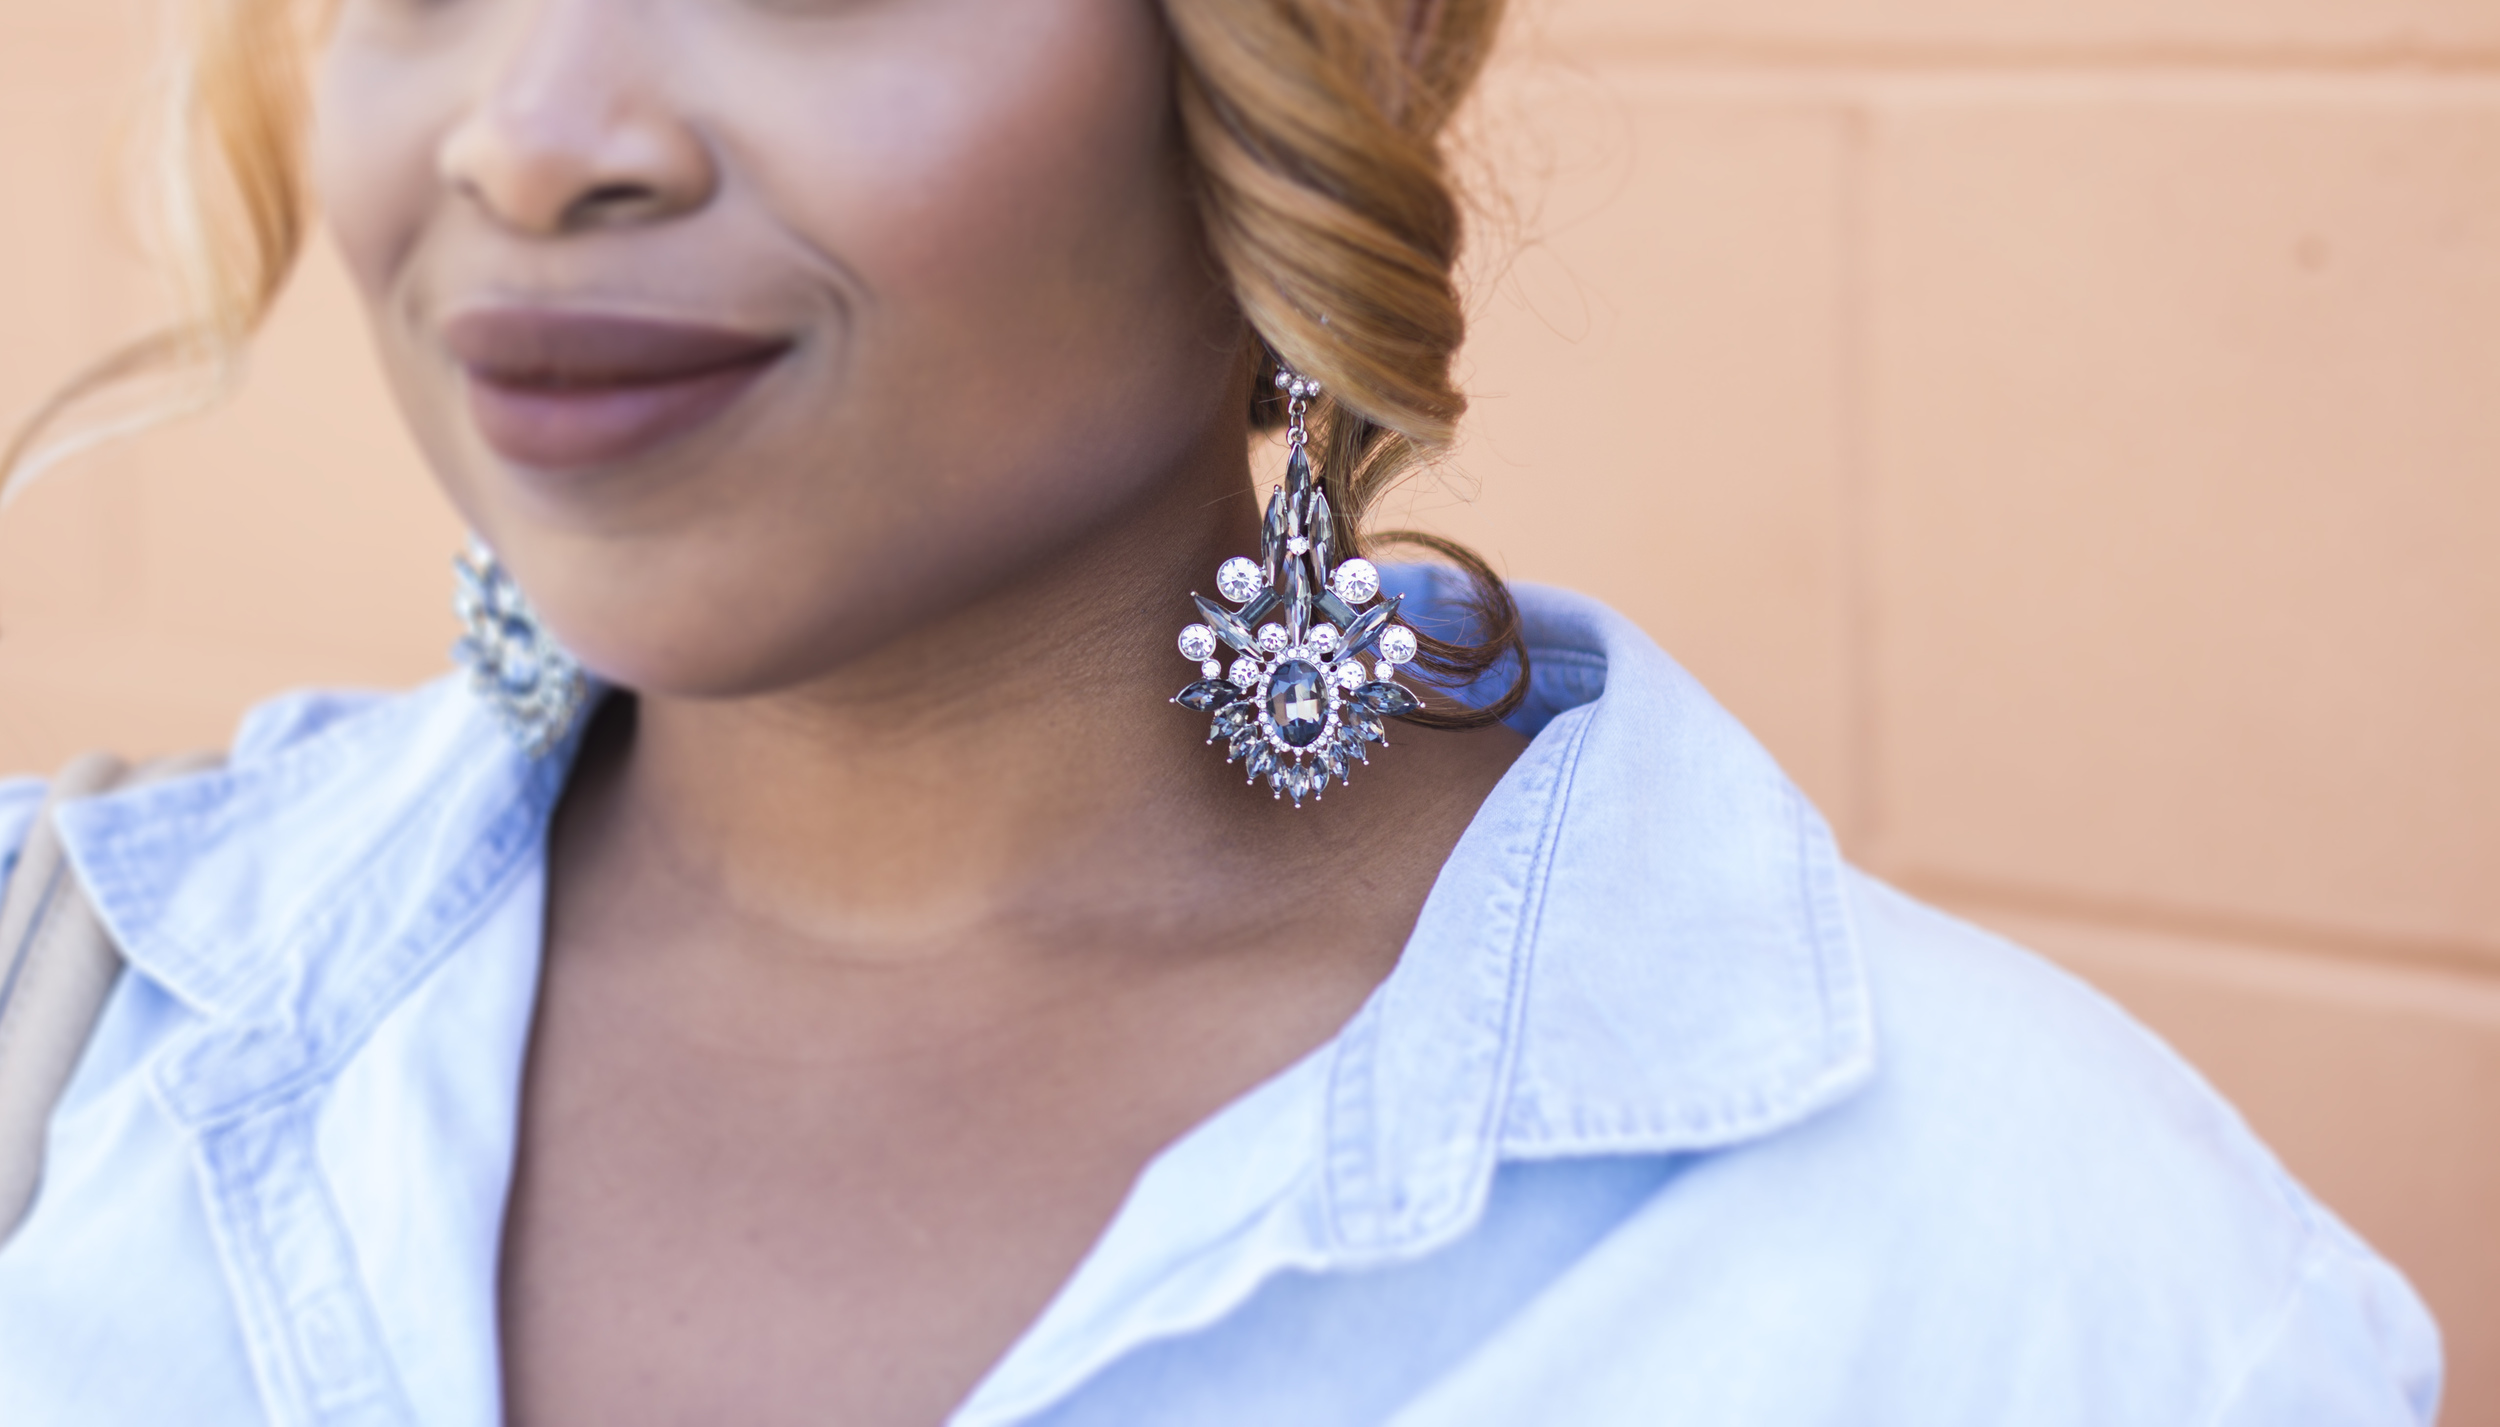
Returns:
<point x="1197" y="642"/>
<point x="1385" y="672"/>
<point x="1211" y="669"/>
<point x="1272" y="638"/>
<point x="1299" y="546"/>
<point x="1245" y="672"/>
<point x="1323" y="637"/>
<point x="1240" y="579"/>
<point x="1356" y="580"/>
<point x="1397" y="644"/>
<point x="1350" y="673"/>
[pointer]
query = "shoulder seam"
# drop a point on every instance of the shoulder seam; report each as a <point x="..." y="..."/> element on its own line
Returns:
<point x="2317" y="1249"/>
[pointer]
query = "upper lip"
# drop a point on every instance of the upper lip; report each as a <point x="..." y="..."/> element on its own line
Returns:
<point x="556" y="348"/>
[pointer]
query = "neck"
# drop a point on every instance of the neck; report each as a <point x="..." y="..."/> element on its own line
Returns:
<point x="1011" y="772"/>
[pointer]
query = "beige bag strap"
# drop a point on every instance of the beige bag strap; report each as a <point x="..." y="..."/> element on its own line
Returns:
<point x="57" y="965"/>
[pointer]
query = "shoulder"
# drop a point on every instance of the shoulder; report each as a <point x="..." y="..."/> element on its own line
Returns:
<point x="1919" y="1174"/>
<point x="2043" y="1153"/>
<point x="1997" y="1066"/>
<point x="217" y="886"/>
<point x="2031" y="1213"/>
<point x="270" y="913"/>
<point x="271" y="728"/>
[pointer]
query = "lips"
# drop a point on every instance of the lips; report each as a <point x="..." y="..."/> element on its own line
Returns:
<point x="563" y="389"/>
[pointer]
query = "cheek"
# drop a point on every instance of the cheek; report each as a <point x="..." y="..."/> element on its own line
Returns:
<point x="1019" y="184"/>
<point x="371" y="166"/>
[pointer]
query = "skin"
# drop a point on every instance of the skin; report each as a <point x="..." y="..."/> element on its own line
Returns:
<point x="895" y="920"/>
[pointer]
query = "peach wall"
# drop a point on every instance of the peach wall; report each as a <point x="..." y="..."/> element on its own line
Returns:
<point x="2068" y="433"/>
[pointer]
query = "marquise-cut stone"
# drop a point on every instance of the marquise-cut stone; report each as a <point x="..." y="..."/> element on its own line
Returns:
<point x="1298" y="472"/>
<point x="1360" y="634"/>
<point x="1262" y="760"/>
<point x="1395" y="700"/>
<point x="469" y="595"/>
<point x="1296" y="704"/>
<point x="1296" y="588"/>
<point x="1226" y="624"/>
<point x="1208" y="695"/>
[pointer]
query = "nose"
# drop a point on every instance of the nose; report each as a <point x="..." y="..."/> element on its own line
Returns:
<point x="570" y="128"/>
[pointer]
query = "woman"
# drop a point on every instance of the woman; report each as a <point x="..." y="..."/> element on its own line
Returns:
<point x="870" y="1000"/>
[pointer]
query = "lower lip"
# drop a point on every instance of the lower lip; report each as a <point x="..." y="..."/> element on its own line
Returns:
<point x="563" y="428"/>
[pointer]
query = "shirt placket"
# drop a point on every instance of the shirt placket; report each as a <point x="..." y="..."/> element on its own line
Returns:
<point x="316" y="1342"/>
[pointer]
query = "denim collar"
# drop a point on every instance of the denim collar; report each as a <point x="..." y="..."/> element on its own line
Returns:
<point x="293" y="897"/>
<point x="1639" y="945"/>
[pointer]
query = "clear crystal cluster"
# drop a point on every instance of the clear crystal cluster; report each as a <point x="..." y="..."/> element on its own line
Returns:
<point x="533" y="686"/>
<point x="1297" y="708"/>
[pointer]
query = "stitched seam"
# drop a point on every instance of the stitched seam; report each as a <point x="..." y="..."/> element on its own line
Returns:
<point x="243" y="1242"/>
<point x="190" y="811"/>
<point x="1524" y="937"/>
<point x="2316" y="1251"/>
<point x="1778" y="1098"/>
<point x="333" y="1043"/>
<point x="1845" y="1004"/>
<point x="1353" y="1076"/>
<point x="279" y="779"/>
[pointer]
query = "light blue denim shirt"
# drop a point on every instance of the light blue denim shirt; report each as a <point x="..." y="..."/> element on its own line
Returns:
<point x="1666" y="1115"/>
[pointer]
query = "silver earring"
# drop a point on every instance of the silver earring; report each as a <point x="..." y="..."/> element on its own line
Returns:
<point x="535" y="689"/>
<point x="1297" y="708"/>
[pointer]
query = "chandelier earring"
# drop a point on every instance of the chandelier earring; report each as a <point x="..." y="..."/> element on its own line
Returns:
<point x="1296" y="707"/>
<point x="534" y="687"/>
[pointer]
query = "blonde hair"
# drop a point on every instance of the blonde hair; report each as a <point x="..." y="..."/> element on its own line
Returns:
<point x="1317" y="135"/>
<point x="230" y="208"/>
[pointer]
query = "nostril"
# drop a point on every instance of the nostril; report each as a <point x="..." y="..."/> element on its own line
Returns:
<point x="611" y="202"/>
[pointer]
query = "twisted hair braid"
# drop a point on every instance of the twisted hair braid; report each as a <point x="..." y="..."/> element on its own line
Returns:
<point x="1317" y="130"/>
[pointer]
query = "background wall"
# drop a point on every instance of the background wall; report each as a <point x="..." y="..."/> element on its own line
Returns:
<point x="2068" y="433"/>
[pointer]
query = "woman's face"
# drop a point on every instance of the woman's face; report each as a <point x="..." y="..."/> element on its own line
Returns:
<point x="754" y="333"/>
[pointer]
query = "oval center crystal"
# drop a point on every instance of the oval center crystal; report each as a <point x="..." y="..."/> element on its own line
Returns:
<point x="1296" y="704"/>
